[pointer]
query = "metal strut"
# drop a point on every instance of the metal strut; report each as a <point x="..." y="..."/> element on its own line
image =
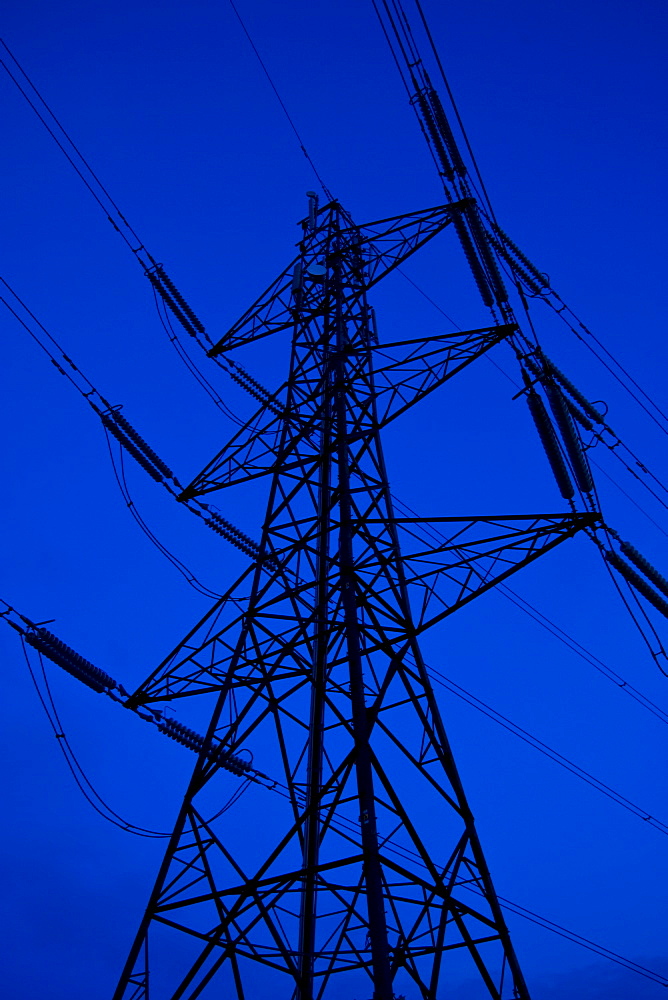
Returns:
<point x="373" y="875"/>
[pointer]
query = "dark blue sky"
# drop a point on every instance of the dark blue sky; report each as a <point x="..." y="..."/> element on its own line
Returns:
<point x="565" y="108"/>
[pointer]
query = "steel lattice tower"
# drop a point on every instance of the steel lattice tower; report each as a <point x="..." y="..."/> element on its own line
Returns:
<point x="350" y="866"/>
<point x="354" y="850"/>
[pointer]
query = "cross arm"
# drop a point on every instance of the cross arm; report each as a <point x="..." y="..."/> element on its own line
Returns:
<point x="382" y="246"/>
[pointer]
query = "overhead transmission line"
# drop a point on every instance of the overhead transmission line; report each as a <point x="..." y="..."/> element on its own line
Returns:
<point x="345" y="828"/>
<point x="429" y="533"/>
<point x="119" y="475"/>
<point x="83" y="783"/>
<point x="577" y="328"/>
<point x="612" y="445"/>
<point x="105" y="200"/>
<point x="193" y="368"/>
<point x="543" y="748"/>
<point x="563" y="310"/>
<point x="437" y="675"/>
<point x="606" y="436"/>
<point x="151" y="268"/>
<point x="79" y="775"/>
<point x="327" y="192"/>
<point x="612" y="442"/>
<point x="77" y="161"/>
<point x="485" y="255"/>
<point x="114" y="423"/>
<point x="609" y="954"/>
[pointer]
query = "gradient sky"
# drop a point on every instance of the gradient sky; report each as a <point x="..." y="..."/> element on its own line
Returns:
<point x="565" y="108"/>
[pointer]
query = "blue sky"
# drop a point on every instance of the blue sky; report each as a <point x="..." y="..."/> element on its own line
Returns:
<point x="565" y="108"/>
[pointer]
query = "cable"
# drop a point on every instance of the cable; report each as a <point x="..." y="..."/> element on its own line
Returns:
<point x="455" y="325"/>
<point x="59" y="357"/>
<point x="629" y="497"/>
<point x="112" y="817"/>
<point x="125" y="225"/>
<point x="283" y="108"/>
<point x="187" y="574"/>
<point x="564" y="306"/>
<point x="625" y="373"/>
<point x="428" y="298"/>
<point x="454" y="105"/>
<point x="130" y="229"/>
<point x="660" y="651"/>
<point x="192" y="367"/>
<point x="583" y="652"/>
<point x="191" y="578"/>
<point x="411" y="58"/>
<point x="347" y="827"/>
<point x="562" y="309"/>
<point x="617" y="378"/>
<point x="598" y="949"/>
<point x="546" y="750"/>
<point x="120" y="223"/>
<point x="83" y="783"/>
<point x="613" y="448"/>
<point x="324" y="187"/>
<point x="144" y="455"/>
<point x="233" y="799"/>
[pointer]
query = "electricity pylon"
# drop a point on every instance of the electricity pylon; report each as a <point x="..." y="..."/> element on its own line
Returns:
<point x="351" y="865"/>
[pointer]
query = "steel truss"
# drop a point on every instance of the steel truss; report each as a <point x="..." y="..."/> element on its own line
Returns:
<point x="358" y="862"/>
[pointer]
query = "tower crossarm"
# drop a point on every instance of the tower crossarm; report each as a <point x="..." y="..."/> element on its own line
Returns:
<point x="382" y="246"/>
<point x="480" y="553"/>
<point x="425" y="365"/>
<point x="404" y="373"/>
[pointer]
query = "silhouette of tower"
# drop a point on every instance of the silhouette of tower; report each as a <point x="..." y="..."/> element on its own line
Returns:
<point x="353" y="855"/>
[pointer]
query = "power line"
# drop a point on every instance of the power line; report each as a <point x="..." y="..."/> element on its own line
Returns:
<point x="192" y="367"/>
<point x="533" y="613"/>
<point x="583" y="942"/>
<point x="451" y="98"/>
<point x="85" y="786"/>
<point x="629" y="497"/>
<point x="119" y="475"/>
<point x="546" y="750"/>
<point x="87" y="174"/>
<point x="346" y="828"/>
<point x="584" y="653"/>
<point x="280" y="100"/>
